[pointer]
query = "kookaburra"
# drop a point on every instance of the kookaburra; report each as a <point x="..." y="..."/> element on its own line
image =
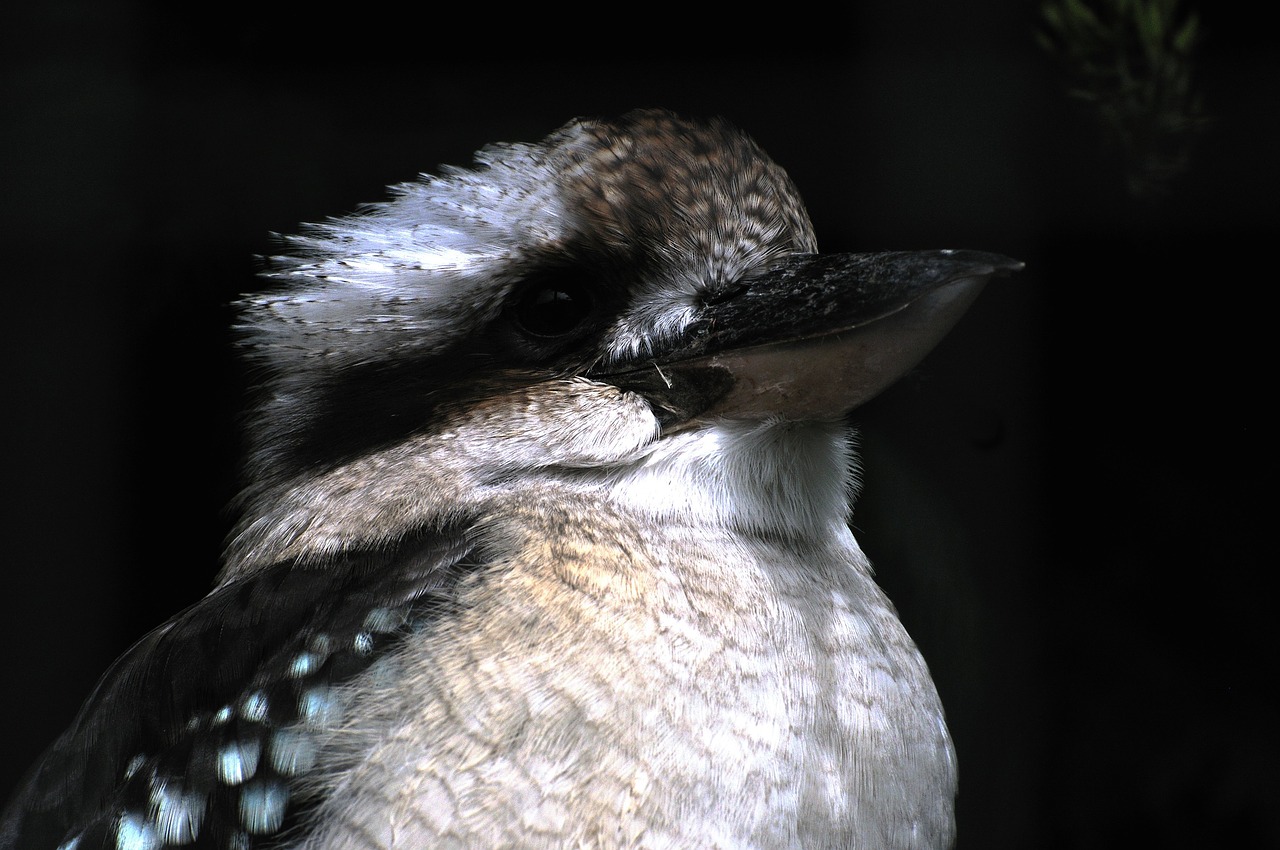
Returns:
<point x="544" y="539"/>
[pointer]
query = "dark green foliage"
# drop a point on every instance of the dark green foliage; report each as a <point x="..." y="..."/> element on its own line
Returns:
<point x="1132" y="62"/>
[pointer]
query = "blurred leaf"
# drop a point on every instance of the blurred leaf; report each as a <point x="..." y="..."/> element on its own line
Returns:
<point x="1186" y="36"/>
<point x="1131" y="61"/>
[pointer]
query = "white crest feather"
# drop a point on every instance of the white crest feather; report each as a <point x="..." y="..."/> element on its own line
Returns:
<point x="422" y="269"/>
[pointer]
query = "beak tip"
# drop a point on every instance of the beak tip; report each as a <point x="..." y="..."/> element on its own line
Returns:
<point x="981" y="263"/>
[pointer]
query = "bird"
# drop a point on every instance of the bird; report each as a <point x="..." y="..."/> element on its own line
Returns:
<point x="544" y="539"/>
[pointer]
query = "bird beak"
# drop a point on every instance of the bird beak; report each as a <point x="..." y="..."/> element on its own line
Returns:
<point x="812" y="337"/>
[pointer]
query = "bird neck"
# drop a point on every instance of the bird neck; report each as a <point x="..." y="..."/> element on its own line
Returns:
<point x="771" y="478"/>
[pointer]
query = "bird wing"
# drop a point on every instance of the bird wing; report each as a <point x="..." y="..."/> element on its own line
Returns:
<point x="197" y="734"/>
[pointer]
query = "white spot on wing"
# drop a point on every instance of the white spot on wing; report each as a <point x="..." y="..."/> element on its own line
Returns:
<point x="262" y="805"/>
<point x="317" y="708"/>
<point x="383" y="620"/>
<point x="134" y="833"/>
<point x="238" y="761"/>
<point x="135" y="764"/>
<point x="254" y="707"/>
<point x="303" y="665"/>
<point x="177" y="815"/>
<point x="292" y="751"/>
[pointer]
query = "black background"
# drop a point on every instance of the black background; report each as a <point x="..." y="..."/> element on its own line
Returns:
<point x="1066" y="500"/>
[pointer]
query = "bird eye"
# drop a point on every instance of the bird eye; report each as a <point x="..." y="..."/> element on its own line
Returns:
<point x="553" y="309"/>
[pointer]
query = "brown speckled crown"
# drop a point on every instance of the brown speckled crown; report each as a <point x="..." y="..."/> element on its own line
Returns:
<point x="652" y="186"/>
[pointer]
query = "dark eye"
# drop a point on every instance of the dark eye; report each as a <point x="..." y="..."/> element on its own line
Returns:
<point x="553" y="309"/>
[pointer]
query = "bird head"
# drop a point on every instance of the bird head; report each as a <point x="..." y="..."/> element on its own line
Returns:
<point x="567" y="309"/>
